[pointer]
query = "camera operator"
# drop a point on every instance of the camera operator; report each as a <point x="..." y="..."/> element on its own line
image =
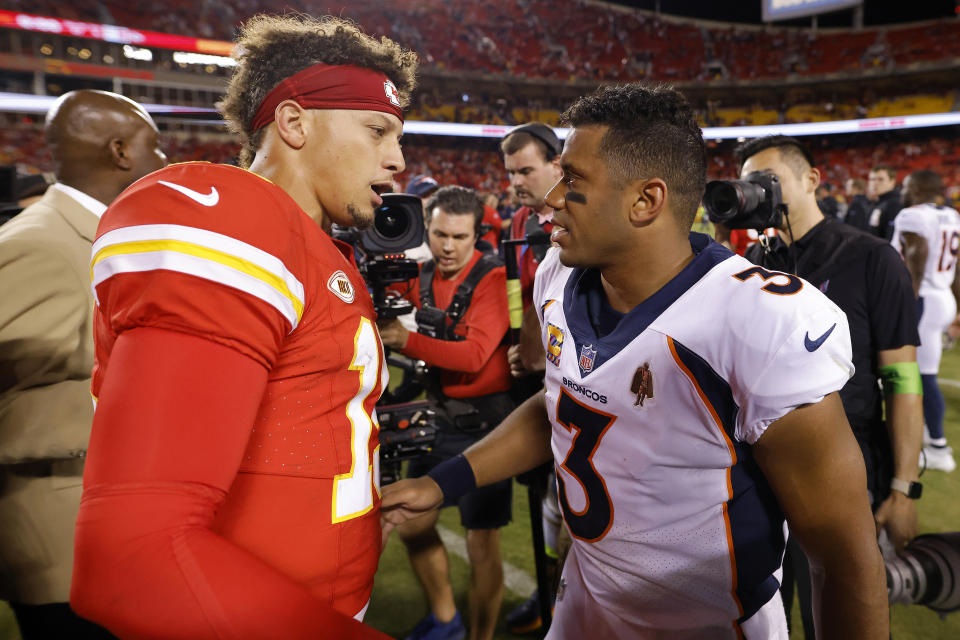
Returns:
<point x="467" y="348"/>
<point x="866" y="278"/>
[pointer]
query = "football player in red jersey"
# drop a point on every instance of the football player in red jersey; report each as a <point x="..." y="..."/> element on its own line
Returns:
<point x="231" y="489"/>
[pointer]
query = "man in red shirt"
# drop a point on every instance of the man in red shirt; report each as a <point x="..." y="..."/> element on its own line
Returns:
<point x="531" y="157"/>
<point x="471" y="356"/>
<point x="230" y="489"/>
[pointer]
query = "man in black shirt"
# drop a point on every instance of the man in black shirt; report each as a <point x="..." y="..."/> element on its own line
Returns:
<point x="866" y="278"/>
<point x="882" y="182"/>
<point x="858" y="206"/>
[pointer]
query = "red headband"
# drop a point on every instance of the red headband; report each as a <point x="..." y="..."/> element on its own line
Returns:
<point x="325" y="86"/>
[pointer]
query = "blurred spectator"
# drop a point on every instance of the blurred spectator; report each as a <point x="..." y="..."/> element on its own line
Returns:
<point x="827" y="203"/>
<point x="101" y="143"/>
<point x="882" y="189"/>
<point x="858" y="206"/>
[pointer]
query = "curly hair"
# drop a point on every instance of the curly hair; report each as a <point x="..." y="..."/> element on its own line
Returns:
<point x="272" y="48"/>
<point x="653" y="132"/>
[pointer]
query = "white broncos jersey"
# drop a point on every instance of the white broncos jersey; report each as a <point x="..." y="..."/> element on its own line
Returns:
<point x="940" y="226"/>
<point x="676" y="532"/>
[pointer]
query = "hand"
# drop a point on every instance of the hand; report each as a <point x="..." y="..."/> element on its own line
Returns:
<point x="898" y="516"/>
<point x="517" y="370"/>
<point x="392" y="333"/>
<point x="408" y="499"/>
<point x="954" y="329"/>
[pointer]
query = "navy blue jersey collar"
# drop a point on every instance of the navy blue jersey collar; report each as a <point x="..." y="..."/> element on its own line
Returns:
<point x="593" y="350"/>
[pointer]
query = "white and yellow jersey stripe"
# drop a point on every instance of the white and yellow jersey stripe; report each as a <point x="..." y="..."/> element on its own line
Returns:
<point x="201" y="253"/>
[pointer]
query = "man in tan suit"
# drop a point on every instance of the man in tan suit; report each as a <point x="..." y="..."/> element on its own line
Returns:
<point x="101" y="143"/>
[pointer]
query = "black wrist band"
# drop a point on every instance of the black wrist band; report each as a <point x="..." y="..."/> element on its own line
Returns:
<point x="455" y="477"/>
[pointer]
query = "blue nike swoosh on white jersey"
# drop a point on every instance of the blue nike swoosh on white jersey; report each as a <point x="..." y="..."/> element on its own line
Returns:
<point x="206" y="199"/>
<point x="813" y="345"/>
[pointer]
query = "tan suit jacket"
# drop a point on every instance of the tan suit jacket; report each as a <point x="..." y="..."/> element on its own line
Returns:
<point x="46" y="357"/>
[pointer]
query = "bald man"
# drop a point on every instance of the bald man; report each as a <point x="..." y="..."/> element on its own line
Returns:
<point x="101" y="143"/>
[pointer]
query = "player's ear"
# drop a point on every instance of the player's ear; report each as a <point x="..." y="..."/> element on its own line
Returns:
<point x="291" y="122"/>
<point x="649" y="199"/>
<point x="813" y="179"/>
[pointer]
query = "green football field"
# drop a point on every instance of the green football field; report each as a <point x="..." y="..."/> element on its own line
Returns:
<point x="398" y="604"/>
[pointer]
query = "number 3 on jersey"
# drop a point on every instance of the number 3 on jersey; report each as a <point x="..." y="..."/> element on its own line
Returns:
<point x="353" y="491"/>
<point x="588" y="426"/>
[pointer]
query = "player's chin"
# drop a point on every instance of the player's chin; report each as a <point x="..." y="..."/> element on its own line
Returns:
<point x="361" y="217"/>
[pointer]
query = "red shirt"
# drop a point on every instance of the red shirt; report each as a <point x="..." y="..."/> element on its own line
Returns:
<point x="476" y="365"/>
<point x="526" y="260"/>
<point x="492" y="218"/>
<point x="224" y="258"/>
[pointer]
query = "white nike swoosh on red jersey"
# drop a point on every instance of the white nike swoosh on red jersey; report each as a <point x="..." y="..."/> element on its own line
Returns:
<point x="207" y="200"/>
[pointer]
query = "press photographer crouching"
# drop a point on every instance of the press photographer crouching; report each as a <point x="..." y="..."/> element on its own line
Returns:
<point x="463" y="319"/>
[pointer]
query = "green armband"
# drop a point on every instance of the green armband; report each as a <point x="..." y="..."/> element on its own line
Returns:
<point x="901" y="377"/>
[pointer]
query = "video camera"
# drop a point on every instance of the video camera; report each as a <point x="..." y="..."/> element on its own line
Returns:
<point x="407" y="431"/>
<point x="397" y="226"/>
<point x="752" y="203"/>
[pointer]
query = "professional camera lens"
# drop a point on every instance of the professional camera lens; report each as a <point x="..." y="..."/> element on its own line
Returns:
<point x="397" y="225"/>
<point x="391" y="222"/>
<point x="726" y="199"/>
<point x="927" y="572"/>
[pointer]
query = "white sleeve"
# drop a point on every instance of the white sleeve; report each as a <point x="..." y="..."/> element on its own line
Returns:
<point x="548" y="271"/>
<point x="814" y="361"/>
<point x="911" y="220"/>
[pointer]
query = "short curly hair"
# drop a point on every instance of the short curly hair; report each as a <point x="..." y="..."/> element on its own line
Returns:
<point x="653" y="133"/>
<point x="272" y="48"/>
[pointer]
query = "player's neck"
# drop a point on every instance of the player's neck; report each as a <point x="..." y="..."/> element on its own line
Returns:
<point x="629" y="282"/>
<point x="801" y="221"/>
<point x="287" y="177"/>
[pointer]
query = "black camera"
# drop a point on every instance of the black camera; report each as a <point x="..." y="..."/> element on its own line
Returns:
<point x="752" y="203"/>
<point x="397" y="226"/>
<point x="407" y="431"/>
<point x="927" y="573"/>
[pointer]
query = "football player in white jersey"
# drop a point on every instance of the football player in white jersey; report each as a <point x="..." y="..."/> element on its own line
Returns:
<point x="690" y="404"/>
<point x="928" y="236"/>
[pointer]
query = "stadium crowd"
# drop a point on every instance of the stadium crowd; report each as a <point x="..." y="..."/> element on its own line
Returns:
<point x="585" y="41"/>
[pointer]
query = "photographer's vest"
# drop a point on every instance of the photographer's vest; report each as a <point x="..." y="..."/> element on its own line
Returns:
<point x="463" y="295"/>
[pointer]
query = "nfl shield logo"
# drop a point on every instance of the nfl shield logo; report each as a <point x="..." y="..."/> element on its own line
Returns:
<point x="587" y="356"/>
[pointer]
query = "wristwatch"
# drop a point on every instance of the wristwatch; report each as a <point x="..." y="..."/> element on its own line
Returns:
<point x="912" y="490"/>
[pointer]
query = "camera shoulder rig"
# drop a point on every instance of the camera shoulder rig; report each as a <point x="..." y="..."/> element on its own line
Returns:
<point x="428" y="315"/>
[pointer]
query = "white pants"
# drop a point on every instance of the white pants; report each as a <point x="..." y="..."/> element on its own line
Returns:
<point x="939" y="310"/>
<point x="577" y="616"/>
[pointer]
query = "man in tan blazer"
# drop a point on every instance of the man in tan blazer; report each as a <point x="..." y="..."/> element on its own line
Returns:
<point x="101" y="143"/>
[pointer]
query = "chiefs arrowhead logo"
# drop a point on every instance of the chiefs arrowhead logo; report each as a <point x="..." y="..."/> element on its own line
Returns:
<point x="341" y="286"/>
<point x="391" y="92"/>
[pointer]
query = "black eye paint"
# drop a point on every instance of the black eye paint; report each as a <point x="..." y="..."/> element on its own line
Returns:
<point x="575" y="196"/>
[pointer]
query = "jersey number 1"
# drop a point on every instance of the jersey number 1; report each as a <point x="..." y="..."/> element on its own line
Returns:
<point x="588" y="426"/>
<point x="353" y="491"/>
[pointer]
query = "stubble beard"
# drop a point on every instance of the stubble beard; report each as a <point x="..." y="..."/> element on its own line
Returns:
<point x="360" y="219"/>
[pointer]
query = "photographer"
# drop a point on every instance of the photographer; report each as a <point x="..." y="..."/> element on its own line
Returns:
<point x="866" y="278"/>
<point x="467" y="348"/>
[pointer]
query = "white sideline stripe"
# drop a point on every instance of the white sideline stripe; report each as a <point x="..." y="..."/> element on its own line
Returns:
<point x="949" y="383"/>
<point x="517" y="580"/>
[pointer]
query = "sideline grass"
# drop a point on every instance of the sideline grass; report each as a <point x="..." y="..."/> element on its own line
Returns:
<point x="398" y="603"/>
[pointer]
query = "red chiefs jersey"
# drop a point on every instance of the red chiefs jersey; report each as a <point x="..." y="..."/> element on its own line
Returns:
<point x="222" y="254"/>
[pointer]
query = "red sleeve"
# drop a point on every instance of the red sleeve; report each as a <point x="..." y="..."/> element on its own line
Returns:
<point x="170" y="428"/>
<point x="483" y="327"/>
